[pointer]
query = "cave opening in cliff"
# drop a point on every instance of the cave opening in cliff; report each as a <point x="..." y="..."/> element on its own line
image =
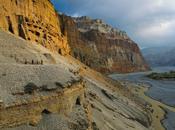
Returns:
<point x="20" y="26"/>
<point x="21" y="31"/>
<point x="45" y="111"/>
<point x="60" y="52"/>
<point x="37" y="34"/>
<point x="78" y="101"/>
<point x="10" y="28"/>
<point x="16" y="2"/>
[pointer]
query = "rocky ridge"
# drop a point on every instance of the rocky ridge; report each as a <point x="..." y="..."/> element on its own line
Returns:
<point x="65" y="92"/>
<point x="101" y="46"/>
<point x="41" y="89"/>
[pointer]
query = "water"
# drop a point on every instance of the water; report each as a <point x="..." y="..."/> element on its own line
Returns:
<point x="169" y="122"/>
<point x="163" y="91"/>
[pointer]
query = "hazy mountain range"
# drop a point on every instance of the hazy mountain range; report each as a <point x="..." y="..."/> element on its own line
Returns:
<point x="160" y="56"/>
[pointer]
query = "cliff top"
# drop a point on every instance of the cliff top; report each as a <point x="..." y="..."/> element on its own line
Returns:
<point x="86" y="24"/>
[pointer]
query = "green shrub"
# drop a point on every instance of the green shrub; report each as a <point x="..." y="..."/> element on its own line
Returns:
<point x="165" y="75"/>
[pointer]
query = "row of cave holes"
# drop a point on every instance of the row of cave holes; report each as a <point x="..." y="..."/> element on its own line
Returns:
<point x="20" y="28"/>
<point x="46" y="111"/>
<point x="21" y="31"/>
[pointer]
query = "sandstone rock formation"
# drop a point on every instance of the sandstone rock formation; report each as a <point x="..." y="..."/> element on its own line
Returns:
<point x="52" y="95"/>
<point x="41" y="89"/>
<point x="95" y="43"/>
<point x="30" y="89"/>
<point x="33" y="20"/>
<point x="102" y="47"/>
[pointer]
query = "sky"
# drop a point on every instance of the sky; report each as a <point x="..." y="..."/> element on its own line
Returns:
<point x="148" y="22"/>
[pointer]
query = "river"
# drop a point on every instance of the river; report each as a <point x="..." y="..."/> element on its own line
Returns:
<point x="159" y="90"/>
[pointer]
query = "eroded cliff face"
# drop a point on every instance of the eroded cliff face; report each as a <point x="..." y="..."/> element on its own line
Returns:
<point x="33" y="88"/>
<point x="47" y="90"/>
<point x="50" y="91"/>
<point x="102" y="47"/>
<point x="33" y="20"/>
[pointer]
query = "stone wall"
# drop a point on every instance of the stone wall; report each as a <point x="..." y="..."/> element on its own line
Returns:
<point x="33" y="20"/>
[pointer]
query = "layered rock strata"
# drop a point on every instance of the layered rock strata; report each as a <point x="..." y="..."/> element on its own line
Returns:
<point x="30" y="89"/>
<point x="46" y="90"/>
<point x="33" y="20"/>
<point x="102" y="47"/>
<point x="53" y="96"/>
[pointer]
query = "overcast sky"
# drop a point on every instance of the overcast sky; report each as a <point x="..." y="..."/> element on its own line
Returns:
<point x="147" y="22"/>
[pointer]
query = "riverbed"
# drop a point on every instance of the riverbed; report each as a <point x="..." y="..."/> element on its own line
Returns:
<point x="162" y="91"/>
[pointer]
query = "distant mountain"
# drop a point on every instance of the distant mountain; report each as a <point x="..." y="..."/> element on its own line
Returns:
<point x="160" y="56"/>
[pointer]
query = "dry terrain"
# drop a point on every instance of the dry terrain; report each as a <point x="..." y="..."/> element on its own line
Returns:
<point x="62" y="90"/>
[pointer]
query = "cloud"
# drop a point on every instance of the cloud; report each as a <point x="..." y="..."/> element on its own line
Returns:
<point x="148" y="22"/>
<point x="157" y="29"/>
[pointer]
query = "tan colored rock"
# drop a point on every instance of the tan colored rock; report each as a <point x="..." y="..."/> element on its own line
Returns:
<point x="29" y="90"/>
<point x="31" y="111"/>
<point x="35" y="81"/>
<point x="51" y="96"/>
<point x="33" y="20"/>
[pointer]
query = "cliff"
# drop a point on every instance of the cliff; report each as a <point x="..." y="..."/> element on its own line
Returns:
<point x="93" y="42"/>
<point x="36" y="86"/>
<point x="102" y="47"/>
<point x="33" y="20"/>
<point x="41" y="89"/>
